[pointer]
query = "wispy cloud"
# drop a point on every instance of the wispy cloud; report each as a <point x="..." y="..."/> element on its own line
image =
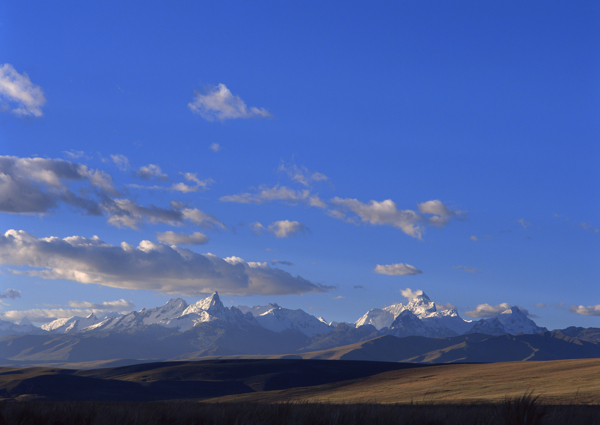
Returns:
<point x="524" y="223"/>
<point x="275" y="193"/>
<point x="301" y="174"/>
<point x="467" y="269"/>
<point x="121" y="161"/>
<point x="74" y="154"/>
<point x="118" y="305"/>
<point x="218" y="103"/>
<point x="215" y="147"/>
<point x="173" y="238"/>
<point x="149" y="266"/>
<point x="150" y="171"/>
<point x="19" y="94"/>
<point x="283" y="263"/>
<point x="79" y="308"/>
<point x="588" y="227"/>
<point x="399" y="269"/>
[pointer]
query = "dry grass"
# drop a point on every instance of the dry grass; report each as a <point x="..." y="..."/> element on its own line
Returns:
<point x="556" y="382"/>
<point x="523" y="410"/>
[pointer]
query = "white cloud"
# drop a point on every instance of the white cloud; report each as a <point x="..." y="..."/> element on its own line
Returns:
<point x="149" y="266"/>
<point x="474" y="238"/>
<point x="301" y="174"/>
<point x="20" y="94"/>
<point x="118" y="305"/>
<point x="398" y="269"/>
<point x="592" y="310"/>
<point x="151" y="171"/>
<point x="215" y="147"/>
<point x="121" y="161"/>
<point x="486" y="310"/>
<point x="173" y="238"/>
<point x="283" y="263"/>
<point x="218" y="103"/>
<point x="410" y="294"/>
<point x="383" y="213"/>
<point x="285" y="228"/>
<point x="440" y="213"/>
<point x="10" y="293"/>
<point x="467" y="269"/>
<point x="387" y="213"/>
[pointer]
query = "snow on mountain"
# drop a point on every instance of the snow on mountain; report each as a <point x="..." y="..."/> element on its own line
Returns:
<point x="279" y="319"/>
<point x="431" y="322"/>
<point x="488" y="327"/>
<point x="449" y="319"/>
<point x="409" y="324"/>
<point x="515" y="321"/>
<point x="511" y="321"/>
<point x="207" y="310"/>
<point x="159" y="315"/>
<point x="257" y="310"/>
<point x="378" y="317"/>
<point x="70" y="324"/>
<point x="10" y="328"/>
<point x="417" y="317"/>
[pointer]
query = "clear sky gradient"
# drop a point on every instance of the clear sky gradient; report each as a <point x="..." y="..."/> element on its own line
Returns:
<point x="328" y="156"/>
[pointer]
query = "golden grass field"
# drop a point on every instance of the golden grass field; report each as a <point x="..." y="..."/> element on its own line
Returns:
<point x="555" y="382"/>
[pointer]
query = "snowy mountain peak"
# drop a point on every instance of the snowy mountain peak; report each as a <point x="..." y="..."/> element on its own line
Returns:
<point x="279" y="319"/>
<point x="421" y="306"/>
<point x="211" y="304"/>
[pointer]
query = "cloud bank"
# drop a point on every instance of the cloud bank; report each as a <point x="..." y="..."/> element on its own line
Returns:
<point x="218" y="103"/>
<point x="483" y="311"/>
<point x="592" y="310"/>
<point x="150" y="266"/>
<point x="19" y="94"/>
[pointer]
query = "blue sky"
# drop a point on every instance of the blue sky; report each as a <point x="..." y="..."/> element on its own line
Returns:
<point x="302" y="145"/>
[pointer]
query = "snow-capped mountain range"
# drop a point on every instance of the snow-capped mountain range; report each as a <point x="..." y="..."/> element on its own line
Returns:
<point x="418" y="317"/>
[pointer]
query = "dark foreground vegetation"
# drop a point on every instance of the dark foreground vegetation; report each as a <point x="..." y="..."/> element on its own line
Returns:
<point x="522" y="410"/>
